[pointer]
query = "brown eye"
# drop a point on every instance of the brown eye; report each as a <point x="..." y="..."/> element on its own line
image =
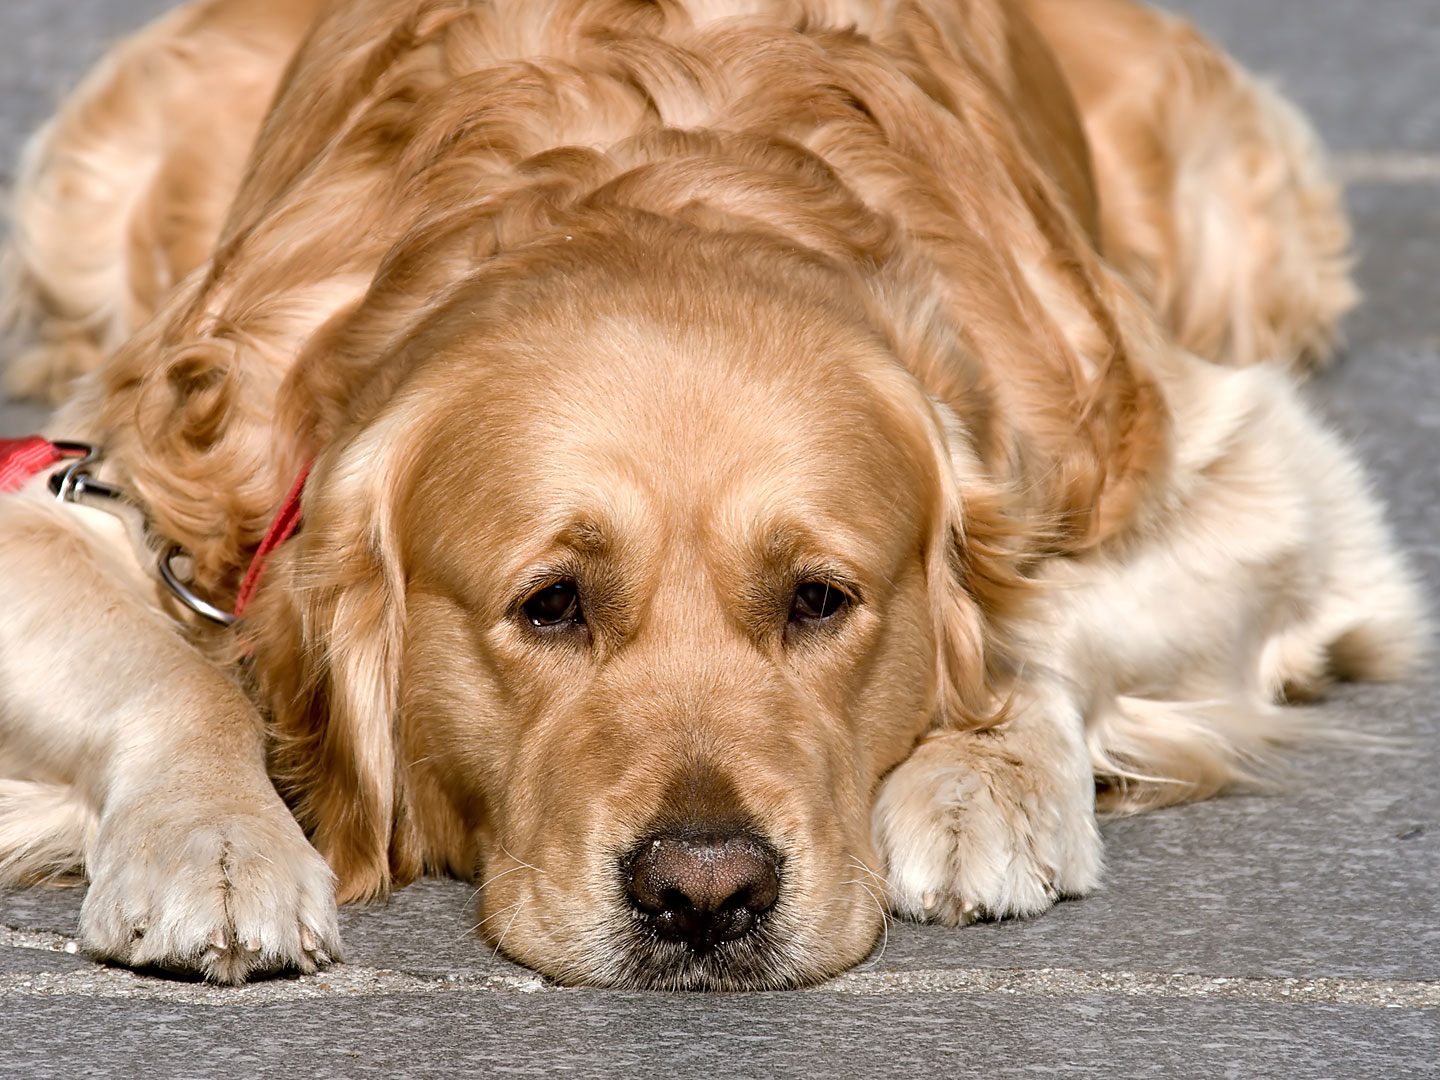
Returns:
<point x="817" y="600"/>
<point x="555" y="605"/>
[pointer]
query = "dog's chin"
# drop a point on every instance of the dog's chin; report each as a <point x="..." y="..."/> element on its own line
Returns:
<point x="641" y="960"/>
<point x="628" y="954"/>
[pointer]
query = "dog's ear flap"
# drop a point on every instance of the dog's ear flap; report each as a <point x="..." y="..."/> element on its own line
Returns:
<point x="984" y="520"/>
<point x="1046" y="436"/>
<point x="975" y="554"/>
<point x="327" y="633"/>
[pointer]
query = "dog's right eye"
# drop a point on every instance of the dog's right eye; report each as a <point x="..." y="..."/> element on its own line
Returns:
<point x="817" y="601"/>
<point x="554" y="605"/>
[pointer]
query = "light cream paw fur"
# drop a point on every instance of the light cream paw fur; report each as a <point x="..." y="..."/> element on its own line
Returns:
<point x="970" y="830"/>
<point x="227" y="888"/>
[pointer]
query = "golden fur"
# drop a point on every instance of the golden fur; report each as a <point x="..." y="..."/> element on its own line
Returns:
<point x="687" y="301"/>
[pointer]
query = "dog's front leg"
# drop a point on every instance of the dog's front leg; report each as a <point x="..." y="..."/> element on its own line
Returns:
<point x="195" y="864"/>
<point x="993" y="823"/>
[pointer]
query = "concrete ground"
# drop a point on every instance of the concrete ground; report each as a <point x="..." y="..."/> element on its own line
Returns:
<point x="1296" y="935"/>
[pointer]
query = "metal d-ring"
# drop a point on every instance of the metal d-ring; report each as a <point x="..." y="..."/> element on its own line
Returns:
<point x="66" y="484"/>
<point x="182" y="592"/>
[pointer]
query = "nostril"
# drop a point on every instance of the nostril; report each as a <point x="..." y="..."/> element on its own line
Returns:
<point x="703" y="889"/>
<point x="676" y="901"/>
<point x="761" y="892"/>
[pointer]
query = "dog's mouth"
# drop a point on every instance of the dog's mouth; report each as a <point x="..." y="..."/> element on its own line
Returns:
<point x="698" y="912"/>
<point x="629" y="952"/>
<point x="640" y="957"/>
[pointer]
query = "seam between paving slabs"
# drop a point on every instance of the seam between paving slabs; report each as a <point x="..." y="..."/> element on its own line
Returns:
<point x="1380" y="167"/>
<point x="351" y="981"/>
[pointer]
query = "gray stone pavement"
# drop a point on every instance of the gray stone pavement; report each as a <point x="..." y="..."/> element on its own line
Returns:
<point x="1293" y="935"/>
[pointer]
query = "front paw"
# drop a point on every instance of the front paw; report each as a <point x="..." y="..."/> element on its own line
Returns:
<point x="971" y="829"/>
<point x="224" y="888"/>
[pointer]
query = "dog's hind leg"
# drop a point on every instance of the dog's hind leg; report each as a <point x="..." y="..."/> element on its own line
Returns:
<point x="1360" y="614"/>
<point x="1269" y="574"/>
<point x="45" y="830"/>
<point x="124" y="191"/>
<point x="1215" y="200"/>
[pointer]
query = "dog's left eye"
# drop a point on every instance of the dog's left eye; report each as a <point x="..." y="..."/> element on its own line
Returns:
<point x="554" y="605"/>
<point x="817" y="600"/>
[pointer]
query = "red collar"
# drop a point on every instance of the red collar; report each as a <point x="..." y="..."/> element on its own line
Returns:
<point x="286" y="521"/>
<point x="20" y="459"/>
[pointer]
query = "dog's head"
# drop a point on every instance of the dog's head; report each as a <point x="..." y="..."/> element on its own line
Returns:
<point x="624" y="580"/>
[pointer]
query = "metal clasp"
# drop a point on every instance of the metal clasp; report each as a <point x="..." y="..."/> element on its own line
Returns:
<point x="76" y="482"/>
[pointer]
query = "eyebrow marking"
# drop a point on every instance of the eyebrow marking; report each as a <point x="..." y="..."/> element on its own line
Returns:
<point x="585" y="537"/>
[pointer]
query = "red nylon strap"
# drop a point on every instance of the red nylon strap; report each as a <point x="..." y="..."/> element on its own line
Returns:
<point x="287" y="520"/>
<point x="20" y="459"/>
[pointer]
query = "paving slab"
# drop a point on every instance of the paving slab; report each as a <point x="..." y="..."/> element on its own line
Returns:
<point x="1365" y="72"/>
<point x="1397" y="234"/>
<point x="45" y="48"/>
<point x="1385" y="400"/>
<point x="44" y="909"/>
<point x="32" y="961"/>
<point x="746" y="1037"/>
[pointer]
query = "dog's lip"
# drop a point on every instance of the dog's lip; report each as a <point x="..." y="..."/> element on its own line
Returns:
<point x="653" y="925"/>
<point x="623" y="951"/>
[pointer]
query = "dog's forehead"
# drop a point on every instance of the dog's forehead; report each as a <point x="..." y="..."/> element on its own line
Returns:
<point x="633" y="428"/>
<point x="693" y="409"/>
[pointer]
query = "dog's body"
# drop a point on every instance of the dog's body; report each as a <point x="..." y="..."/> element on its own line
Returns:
<point x="810" y="434"/>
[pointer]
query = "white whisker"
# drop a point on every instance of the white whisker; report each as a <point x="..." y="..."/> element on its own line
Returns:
<point x="496" y="877"/>
<point x="522" y="862"/>
<point x="518" y="908"/>
<point x="885" y="921"/>
<point x="493" y="914"/>
<point x="860" y="864"/>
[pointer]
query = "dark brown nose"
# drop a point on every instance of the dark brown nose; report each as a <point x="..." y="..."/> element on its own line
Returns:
<point x="703" y="889"/>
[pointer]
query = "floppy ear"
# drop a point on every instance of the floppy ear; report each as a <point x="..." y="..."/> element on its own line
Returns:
<point x="983" y="522"/>
<point x="977" y="548"/>
<point x="1046" y="429"/>
<point x="328" y="633"/>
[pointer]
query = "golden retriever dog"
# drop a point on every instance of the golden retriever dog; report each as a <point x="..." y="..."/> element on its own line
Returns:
<point x="764" y="464"/>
